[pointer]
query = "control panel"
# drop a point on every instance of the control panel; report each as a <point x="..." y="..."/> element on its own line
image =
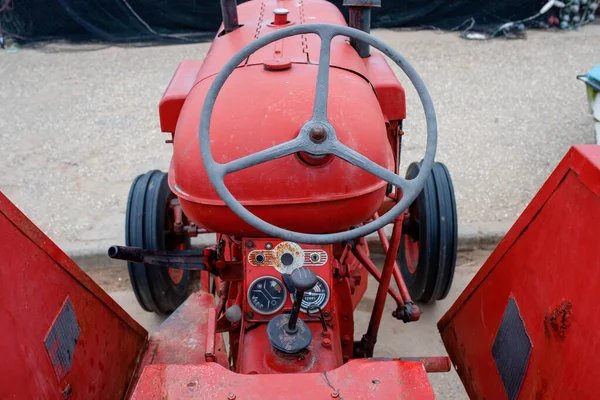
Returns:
<point x="269" y="262"/>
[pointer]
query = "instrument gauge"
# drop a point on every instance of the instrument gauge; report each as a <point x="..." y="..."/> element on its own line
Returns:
<point x="317" y="297"/>
<point x="266" y="295"/>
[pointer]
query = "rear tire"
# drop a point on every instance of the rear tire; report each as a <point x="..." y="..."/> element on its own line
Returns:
<point x="427" y="254"/>
<point x="149" y="225"/>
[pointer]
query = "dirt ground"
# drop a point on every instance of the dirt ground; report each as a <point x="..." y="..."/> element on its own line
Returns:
<point x="395" y="338"/>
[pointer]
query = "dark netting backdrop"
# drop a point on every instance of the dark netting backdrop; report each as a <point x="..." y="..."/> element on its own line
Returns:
<point x="128" y="21"/>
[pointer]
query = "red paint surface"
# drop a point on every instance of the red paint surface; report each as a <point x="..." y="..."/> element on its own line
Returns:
<point x="36" y="278"/>
<point x="176" y="93"/>
<point x="258" y="108"/>
<point x="358" y="379"/>
<point x="390" y="92"/>
<point x="549" y="263"/>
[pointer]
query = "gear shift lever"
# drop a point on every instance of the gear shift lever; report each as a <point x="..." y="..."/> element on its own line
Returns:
<point x="302" y="279"/>
<point x="286" y="332"/>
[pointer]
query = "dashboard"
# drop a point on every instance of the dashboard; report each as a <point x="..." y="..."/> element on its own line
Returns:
<point x="268" y="261"/>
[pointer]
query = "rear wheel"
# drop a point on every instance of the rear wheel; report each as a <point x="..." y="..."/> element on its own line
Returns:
<point x="427" y="254"/>
<point x="149" y="225"/>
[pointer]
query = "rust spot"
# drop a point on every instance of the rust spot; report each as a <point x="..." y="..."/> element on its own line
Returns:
<point x="558" y="320"/>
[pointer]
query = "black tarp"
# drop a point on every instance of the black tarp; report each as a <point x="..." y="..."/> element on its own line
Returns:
<point x="123" y="21"/>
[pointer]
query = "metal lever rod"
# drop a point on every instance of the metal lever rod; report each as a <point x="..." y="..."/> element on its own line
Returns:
<point x="295" y="311"/>
<point x="302" y="279"/>
<point x="181" y="259"/>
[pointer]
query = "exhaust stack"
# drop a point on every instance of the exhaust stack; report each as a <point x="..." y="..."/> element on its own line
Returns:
<point x="360" y="18"/>
<point x="230" y="15"/>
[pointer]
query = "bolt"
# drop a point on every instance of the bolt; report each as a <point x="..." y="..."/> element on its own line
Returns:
<point x="318" y="134"/>
<point x="250" y="244"/>
<point x="326" y="314"/>
<point x="231" y="396"/>
<point x="249" y="315"/>
<point x="326" y="342"/>
<point x="335" y="394"/>
<point x="268" y="245"/>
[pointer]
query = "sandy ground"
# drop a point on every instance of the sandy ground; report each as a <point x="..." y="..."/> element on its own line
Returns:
<point x="80" y="122"/>
<point x="395" y="339"/>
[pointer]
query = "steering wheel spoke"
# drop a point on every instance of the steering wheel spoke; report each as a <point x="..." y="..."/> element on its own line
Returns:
<point x="272" y="153"/>
<point x="322" y="89"/>
<point x="355" y="158"/>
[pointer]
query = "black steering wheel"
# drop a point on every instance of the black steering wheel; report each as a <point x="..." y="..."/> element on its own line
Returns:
<point x="317" y="136"/>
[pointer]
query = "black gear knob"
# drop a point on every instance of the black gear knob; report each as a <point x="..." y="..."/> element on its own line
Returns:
<point x="303" y="279"/>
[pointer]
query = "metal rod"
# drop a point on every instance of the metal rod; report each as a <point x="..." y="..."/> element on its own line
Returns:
<point x="360" y="18"/>
<point x="230" y="15"/>
<point x="370" y="266"/>
<point x="370" y="337"/>
<point x="431" y="364"/>
<point x="181" y="259"/>
<point x="397" y="275"/>
<point x="291" y="328"/>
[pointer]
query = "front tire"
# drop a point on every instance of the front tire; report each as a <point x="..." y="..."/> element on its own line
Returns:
<point x="427" y="254"/>
<point x="149" y="225"/>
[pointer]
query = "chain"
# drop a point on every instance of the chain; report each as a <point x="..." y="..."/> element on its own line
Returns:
<point x="261" y="17"/>
<point x="303" y="37"/>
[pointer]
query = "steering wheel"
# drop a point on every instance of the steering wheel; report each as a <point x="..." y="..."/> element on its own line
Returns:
<point x="317" y="136"/>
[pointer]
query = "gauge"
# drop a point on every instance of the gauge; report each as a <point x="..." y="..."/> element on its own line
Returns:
<point x="266" y="295"/>
<point x="317" y="297"/>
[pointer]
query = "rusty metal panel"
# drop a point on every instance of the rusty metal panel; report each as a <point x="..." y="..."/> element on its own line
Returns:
<point x="183" y="337"/>
<point x="63" y="337"/>
<point x="548" y="266"/>
<point x="358" y="379"/>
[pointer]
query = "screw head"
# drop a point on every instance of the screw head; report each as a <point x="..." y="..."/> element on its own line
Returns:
<point x="317" y="134"/>
<point x="335" y="394"/>
<point x="231" y="396"/>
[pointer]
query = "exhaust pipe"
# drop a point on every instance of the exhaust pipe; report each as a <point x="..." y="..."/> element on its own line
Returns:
<point x="359" y="17"/>
<point x="230" y="15"/>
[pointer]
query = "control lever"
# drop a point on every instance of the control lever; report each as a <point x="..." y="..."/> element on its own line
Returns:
<point x="302" y="279"/>
<point x="286" y="332"/>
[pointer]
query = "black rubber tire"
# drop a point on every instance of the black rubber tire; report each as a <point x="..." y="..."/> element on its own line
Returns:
<point x="433" y="228"/>
<point x="147" y="225"/>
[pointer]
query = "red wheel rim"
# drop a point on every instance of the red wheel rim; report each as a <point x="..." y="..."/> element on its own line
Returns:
<point x="411" y="253"/>
<point x="411" y="246"/>
<point x="173" y="242"/>
<point x="176" y="275"/>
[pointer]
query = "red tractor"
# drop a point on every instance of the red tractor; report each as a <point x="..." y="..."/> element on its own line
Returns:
<point x="286" y="144"/>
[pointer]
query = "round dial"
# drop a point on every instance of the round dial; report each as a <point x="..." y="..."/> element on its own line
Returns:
<point x="317" y="297"/>
<point x="266" y="295"/>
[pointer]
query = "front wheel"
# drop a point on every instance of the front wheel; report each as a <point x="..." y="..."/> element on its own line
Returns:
<point x="427" y="254"/>
<point x="149" y="225"/>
